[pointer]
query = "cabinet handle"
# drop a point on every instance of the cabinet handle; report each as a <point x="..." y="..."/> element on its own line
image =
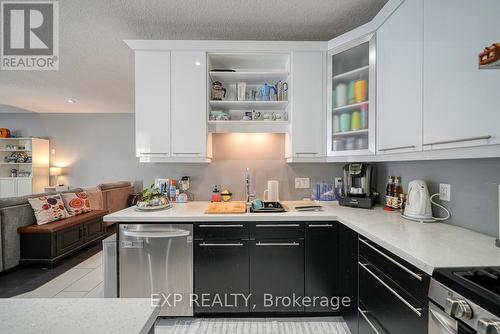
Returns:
<point x="306" y="153"/>
<point x="237" y="244"/>
<point x="416" y="310"/>
<point x="187" y="153"/>
<point x="368" y="320"/>
<point x="396" y="148"/>
<point x="319" y="225"/>
<point x="458" y="140"/>
<point x="277" y="244"/>
<point x="277" y="225"/>
<point x="417" y="276"/>
<point x="221" y="225"/>
<point x="153" y="153"/>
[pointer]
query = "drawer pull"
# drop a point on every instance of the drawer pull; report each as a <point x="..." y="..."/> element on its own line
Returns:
<point x="396" y="148"/>
<point x="458" y="140"/>
<point x="277" y="244"/>
<point x="221" y="245"/>
<point x="221" y="225"/>
<point x="416" y="310"/>
<point x="368" y="320"/>
<point x="417" y="276"/>
<point x="277" y="225"/>
<point x="320" y="225"/>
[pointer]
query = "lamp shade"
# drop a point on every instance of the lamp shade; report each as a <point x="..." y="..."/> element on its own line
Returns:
<point x="55" y="171"/>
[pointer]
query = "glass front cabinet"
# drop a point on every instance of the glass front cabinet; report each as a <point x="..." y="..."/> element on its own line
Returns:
<point x="351" y="98"/>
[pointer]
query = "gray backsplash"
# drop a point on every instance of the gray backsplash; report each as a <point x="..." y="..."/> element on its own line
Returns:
<point x="474" y="188"/>
<point x="100" y="147"/>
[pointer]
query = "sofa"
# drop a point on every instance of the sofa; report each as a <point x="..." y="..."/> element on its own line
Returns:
<point x="16" y="212"/>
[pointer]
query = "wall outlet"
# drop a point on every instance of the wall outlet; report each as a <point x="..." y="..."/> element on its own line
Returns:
<point x="302" y="183"/>
<point x="444" y="192"/>
<point x="338" y="180"/>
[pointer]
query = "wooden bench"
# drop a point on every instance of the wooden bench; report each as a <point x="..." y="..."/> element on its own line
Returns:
<point x="49" y="243"/>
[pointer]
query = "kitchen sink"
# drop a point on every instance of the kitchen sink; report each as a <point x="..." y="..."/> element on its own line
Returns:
<point x="269" y="207"/>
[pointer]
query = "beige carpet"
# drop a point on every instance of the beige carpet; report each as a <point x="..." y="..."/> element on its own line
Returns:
<point x="323" y="325"/>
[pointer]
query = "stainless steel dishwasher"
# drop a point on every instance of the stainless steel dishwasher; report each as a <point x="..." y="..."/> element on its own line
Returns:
<point x="156" y="260"/>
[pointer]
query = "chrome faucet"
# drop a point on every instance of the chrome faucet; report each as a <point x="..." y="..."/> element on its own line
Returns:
<point x="249" y="196"/>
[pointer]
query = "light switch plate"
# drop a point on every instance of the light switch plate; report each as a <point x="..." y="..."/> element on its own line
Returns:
<point x="444" y="192"/>
<point x="302" y="183"/>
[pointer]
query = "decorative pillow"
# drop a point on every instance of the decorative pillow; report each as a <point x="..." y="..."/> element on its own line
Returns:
<point x="48" y="208"/>
<point x="76" y="203"/>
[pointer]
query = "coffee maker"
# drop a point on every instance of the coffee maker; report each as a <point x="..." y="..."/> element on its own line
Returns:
<point x="358" y="186"/>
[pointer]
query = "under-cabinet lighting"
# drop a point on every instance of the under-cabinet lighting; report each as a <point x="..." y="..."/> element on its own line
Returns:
<point x="197" y="63"/>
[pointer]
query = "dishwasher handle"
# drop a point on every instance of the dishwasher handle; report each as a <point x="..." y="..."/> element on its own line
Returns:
<point x="157" y="234"/>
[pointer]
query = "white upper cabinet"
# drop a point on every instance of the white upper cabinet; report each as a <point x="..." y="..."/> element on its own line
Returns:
<point x="351" y="98"/>
<point x="308" y="103"/>
<point x="189" y="103"/>
<point x="152" y="103"/>
<point x="399" y="80"/>
<point x="461" y="101"/>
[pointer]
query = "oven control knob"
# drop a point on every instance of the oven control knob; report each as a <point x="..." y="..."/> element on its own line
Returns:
<point x="488" y="326"/>
<point x="458" y="308"/>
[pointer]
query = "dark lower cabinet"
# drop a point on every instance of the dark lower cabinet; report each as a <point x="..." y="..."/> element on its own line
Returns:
<point x="221" y="276"/>
<point x="348" y="273"/>
<point x="393" y="309"/>
<point x="276" y="275"/>
<point x="321" y="265"/>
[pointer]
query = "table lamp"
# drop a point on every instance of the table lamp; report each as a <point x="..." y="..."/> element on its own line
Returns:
<point x="55" y="171"/>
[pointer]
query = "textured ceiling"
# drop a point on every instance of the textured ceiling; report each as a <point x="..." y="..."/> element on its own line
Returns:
<point x="96" y="67"/>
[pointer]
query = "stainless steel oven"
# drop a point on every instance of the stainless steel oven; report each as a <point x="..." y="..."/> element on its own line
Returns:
<point x="451" y="313"/>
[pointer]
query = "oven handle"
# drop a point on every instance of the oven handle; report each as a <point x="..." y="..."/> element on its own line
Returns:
<point x="442" y="319"/>
<point x="156" y="234"/>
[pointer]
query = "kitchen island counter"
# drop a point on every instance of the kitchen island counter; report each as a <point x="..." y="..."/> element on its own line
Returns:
<point x="425" y="245"/>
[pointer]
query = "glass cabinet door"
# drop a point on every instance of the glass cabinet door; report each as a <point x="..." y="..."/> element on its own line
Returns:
<point x="351" y="102"/>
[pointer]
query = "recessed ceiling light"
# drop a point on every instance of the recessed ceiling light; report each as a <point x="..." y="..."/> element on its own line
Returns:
<point x="197" y="63"/>
<point x="71" y="101"/>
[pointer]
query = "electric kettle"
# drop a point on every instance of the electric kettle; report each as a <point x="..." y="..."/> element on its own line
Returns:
<point x="418" y="203"/>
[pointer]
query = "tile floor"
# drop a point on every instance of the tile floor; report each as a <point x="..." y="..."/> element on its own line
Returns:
<point x="84" y="280"/>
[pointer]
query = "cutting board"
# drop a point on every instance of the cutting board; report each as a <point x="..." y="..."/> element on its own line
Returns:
<point x="226" y="207"/>
<point x="304" y="205"/>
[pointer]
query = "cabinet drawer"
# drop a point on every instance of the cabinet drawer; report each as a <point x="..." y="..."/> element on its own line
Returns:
<point x="392" y="308"/>
<point x="220" y="231"/>
<point x="277" y="230"/>
<point x="405" y="275"/>
<point x="367" y="324"/>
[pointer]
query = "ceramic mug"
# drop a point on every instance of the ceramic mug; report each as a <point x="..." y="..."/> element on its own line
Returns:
<point x="361" y="90"/>
<point x="345" y="122"/>
<point x="341" y="95"/>
<point x="356" y="121"/>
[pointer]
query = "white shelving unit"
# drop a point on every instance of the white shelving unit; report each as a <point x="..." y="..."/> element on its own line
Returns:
<point x="254" y="69"/>
<point x="38" y="150"/>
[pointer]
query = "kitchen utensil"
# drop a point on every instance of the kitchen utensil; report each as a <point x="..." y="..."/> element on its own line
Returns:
<point x="218" y="91"/>
<point x="419" y="203"/>
<point x="265" y="91"/>
<point x="345" y="122"/>
<point x="242" y="87"/>
<point x="272" y="191"/>
<point x="226" y="207"/>
<point x="361" y="90"/>
<point x="355" y="121"/>
<point x="341" y="95"/>
<point x="351" y="93"/>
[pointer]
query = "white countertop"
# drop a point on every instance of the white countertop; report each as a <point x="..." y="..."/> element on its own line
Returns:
<point x="425" y="245"/>
<point x="68" y="315"/>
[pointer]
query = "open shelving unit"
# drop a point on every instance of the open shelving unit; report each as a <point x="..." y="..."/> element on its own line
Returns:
<point x="254" y="69"/>
<point x="38" y="168"/>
